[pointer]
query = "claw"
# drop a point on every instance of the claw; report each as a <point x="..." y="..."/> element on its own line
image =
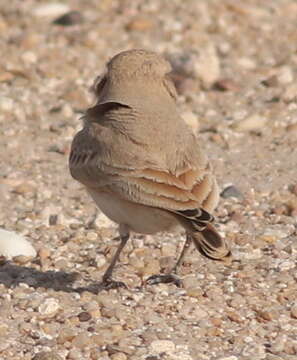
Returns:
<point x="164" y="279"/>
<point x="109" y="284"/>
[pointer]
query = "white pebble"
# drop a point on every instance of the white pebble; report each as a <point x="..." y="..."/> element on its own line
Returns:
<point x="253" y="122"/>
<point x="286" y="265"/>
<point x="191" y="119"/>
<point x="6" y="104"/>
<point x="247" y="255"/>
<point x="286" y="75"/>
<point x="246" y="63"/>
<point x="279" y="232"/>
<point x="100" y="260"/>
<point x="49" y="307"/>
<point x="207" y="67"/>
<point x="29" y="57"/>
<point x="248" y="339"/>
<point x="12" y="244"/>
<point x="67" y="111"/>
<point x="103" y="221"/>
<point x="92" y="236"/>
<point x="51" y="10"/>
<point x="161" y="346"/>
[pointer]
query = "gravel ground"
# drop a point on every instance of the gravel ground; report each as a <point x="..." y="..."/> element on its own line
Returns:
<point x="235" y="67"/>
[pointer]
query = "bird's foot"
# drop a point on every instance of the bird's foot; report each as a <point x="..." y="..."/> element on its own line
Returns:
<point x="105" y="284"/>
<point x="108" y="284"/>
<point x="164" y="279"/>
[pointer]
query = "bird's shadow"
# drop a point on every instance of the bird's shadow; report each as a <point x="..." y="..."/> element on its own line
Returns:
<point x="11" y="275"/>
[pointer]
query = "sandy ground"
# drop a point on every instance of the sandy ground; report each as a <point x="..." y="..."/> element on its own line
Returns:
<point x="235" y="67"/>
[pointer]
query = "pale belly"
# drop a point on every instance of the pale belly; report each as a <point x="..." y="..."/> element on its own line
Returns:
<point x="139" y="218"/>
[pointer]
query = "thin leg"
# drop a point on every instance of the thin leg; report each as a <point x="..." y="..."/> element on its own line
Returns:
<point x="171" y="277"/>
<point x="183" y="253"/>
<point x="107" y="280"/>
<point x="91" y="223"/>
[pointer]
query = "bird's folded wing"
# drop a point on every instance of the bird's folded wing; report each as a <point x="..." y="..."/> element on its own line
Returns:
<point x="190" y="190"/>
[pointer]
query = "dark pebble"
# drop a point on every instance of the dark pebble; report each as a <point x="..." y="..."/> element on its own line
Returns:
<point x="84" y="316"/>
<point x="68" y="19"/>
<point x="231" y="191"/>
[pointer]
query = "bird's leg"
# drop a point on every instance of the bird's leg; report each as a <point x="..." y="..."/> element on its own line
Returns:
<point x="183" y="253"/>
<point x="171" y="277"/>
<point x="107" y="281"/>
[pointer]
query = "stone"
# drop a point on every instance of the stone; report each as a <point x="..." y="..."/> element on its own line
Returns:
<point x="140" y="24"/>
<point x="225" y="85"/>
<point x="231" y="191"/>
<point x="66" y="334"/>
<point x="251" y="123"/>
<point x="84" y="316"/>
<point x="82" y="340"/>
<point x="69" y="19"/>
<point x="49" y="307"/>
<point x="191" y="119"/>
<point x="47" y="355"/>
<point x="118" y="356"/>
<point x="50" y="10"/>
<point x="286" y="75"/>
<point x="6" y="104"/>
<point x="162" y="346"/>
<point x="3" y="329"/>
<point x="294" y="311"/>
<point x="12" y="244"/>
<point x="207" y="68"/>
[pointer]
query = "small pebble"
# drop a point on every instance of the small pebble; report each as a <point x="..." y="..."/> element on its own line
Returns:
<point x="294" y="311"/>
<point x="225" y="85"/>
<point x="47" y="355"/>
<point x="66" y="334"/>
<point x="81" y="340"/>
<point x="162" y="346"/>
<point x="207" y="67"/>
<point x="231" y="191"/>
<point x="44" y="253"/>
<point x="140" y="24"/>
<point x="50" y="10"/>
<point x="3" y="329"/>
<point x="49" y="307"/>
<point x="22" y="259"/>
<point x="234" y="316"/>
<point x="6" y="104"/>
<point x="267" y="315"/>
<point x="69" y="19"/>
<point x="251" y="123"/>
<point x="286" y="75"/>
<point x="191" y="119"/>
<point x="84" y="316"/>
<point x="118" y="356"/>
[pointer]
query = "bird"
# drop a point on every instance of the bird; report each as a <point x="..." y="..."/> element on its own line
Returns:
<point x="141" y="163"/>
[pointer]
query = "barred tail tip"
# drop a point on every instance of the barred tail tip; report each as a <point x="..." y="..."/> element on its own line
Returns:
<point x="211" y="245"/>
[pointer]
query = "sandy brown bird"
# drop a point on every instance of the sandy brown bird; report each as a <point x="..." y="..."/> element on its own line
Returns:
<point x="141" y="163"/>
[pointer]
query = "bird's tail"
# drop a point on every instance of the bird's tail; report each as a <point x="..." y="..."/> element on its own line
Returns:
<point x="207" y="240"/>
<point x="211" y="244"/>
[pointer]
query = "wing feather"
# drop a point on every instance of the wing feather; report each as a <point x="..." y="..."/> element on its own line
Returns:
<point x="145" y="186"/>
<point x="94" y="148"/>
